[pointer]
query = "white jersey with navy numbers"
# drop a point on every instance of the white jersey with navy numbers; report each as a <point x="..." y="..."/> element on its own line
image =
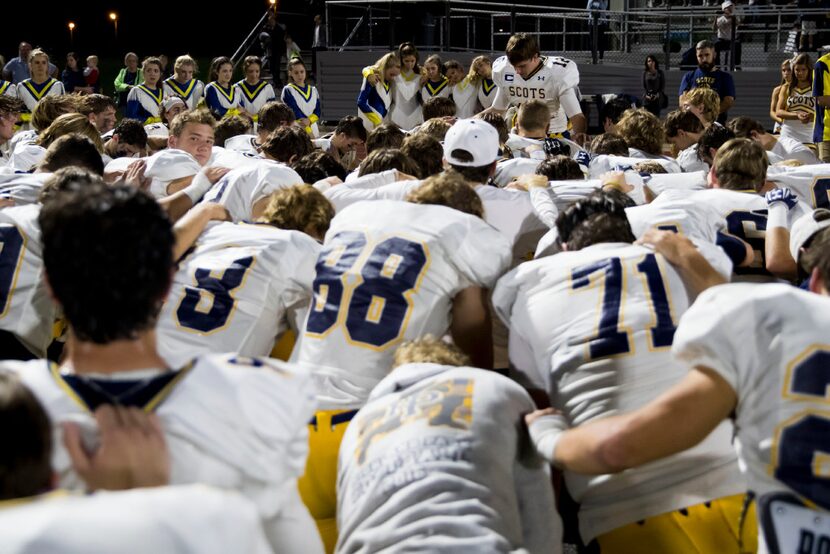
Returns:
<point x="239" y="289"/>
<point x="745" y="213"/>
<point x="555" y="78"/>
<point x="243" y="143"/>
<point x="23" y="188"/>
<point x="769" y="343"/>
<point x="254" y="97"/>
<point x="26" y="310"/>
<point x="811" y="183"/>
<point x="304" y="101"/>
<point x="388" y="272"/>
<point x="31" y="93"/>
<point x="673" y="210"/>
<point x="191" y="92"/>
<point x="239" y="189"/>
<point x="231" y="422"/>
<point x="220" y="100"/>
<point x="436" y="439"/>
<point x="406" y="109"/>
<point x="133" y="522"/>
<point x="594" y="329"/>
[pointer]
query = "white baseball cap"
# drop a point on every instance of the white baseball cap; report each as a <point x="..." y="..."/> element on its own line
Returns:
<point x="805" y="227"/>
<point x="171" y="101"/>
<point x="727" y="4"/>
<point x="475" y="136"/>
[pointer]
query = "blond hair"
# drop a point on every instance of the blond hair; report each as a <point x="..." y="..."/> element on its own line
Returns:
<point x="642" y="130"/>
<point x="49" y="108"/>
<point x="473" y="75"/>
<point x="450" y="189"/>
<point x="200" y="117"/>
<point x="741" y="164"/>
<point x="705" y="98"/>
<point x="38" y="52"/>
<point x="533" y="115"/>
<point x="299" y="208"/>
<point x="183" y="60"/>
<point x="71" y="123"/>
<point x="386" y="61"/>
<point x="429" y="350"/>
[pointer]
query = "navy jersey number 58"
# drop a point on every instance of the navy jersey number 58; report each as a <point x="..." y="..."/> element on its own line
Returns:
<point x="366" y="287"/>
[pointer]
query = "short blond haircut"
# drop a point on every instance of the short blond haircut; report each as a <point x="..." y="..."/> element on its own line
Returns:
<point x="642" y="130"/>
<point x="299" y="208"/>
<point x="430" y="350"/>
<point x="741" y="164"/>
<point x="707" y="99"/>
<point x="201" y="117"/>
<point x="450" y="189"/>
<point x="71" y="123"/>
<point x="533" y="116"/>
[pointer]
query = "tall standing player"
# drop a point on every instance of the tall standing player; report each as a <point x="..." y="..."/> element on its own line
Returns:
<point x="524" y="74"/>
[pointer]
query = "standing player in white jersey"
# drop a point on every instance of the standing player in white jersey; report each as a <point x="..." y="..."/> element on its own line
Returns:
<point x="237" y="423"/>
<point x="770" y="378"/>
<point x="524" y="74"/>
<point x="255" y="93"/>
<point x="391" y="271"/>
<point x="436" y="461"/>
<point x="592" y="327"/>
<point x="243" y="285"/>
<point x="183" y="84"/>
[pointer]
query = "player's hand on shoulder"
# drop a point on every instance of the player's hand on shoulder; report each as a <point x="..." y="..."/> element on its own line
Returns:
<point x="527" y="182"/>
<point x="215" y="173"/>
<point x="672" y="246"/>
<point x="783" y="195"/>
<point x="132" y="451"/>
<point x="134" y="176"/>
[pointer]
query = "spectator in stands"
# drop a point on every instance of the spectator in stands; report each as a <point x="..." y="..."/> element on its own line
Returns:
<point x="808" y="23"/>
<point x="786" y="75"/>
<point x="778" y="148"/>
<point x="73" y="76"/>
<point x="130" y="76"/>
<point x="725" y="28"/>
<point x="597" y="15"/>
<point x="654" y="86"/>
<point x="707" y="76"/>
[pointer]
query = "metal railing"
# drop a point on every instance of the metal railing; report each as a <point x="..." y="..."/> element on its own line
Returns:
<point x="764" y="35"/>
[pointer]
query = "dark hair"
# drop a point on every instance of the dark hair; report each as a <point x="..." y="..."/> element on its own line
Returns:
<point x="817" y="255"/>
<point x="438" y="107"/>
<point x="560" y="168"/>
<point x="10" y="105"/>
<point x="387" y="158"/>
<point x="521" y="47"/>
<point x="26" y="433"/>
<point x="682" y="120"/>
<point x="599" y="217"/>
<point x="95" y="103"/>
<point x="408" y="49"/>
<point x="714" y="136"/>
<point x="232" y="126"/>
<point x="67" y="178"/>
<point x="609" y="143"/>
<point x="743" y="126"/>
<point x="132" y="132"/>
<point x="613" y="110"/>
<point x="477" y="175"/>
<point x="318" y="165"/>
<point x="656" y="62"/>
<point x="386" y="135"/>
<point x="72" y="150"/>
<point x="216" y="64"/>
<point x="108" y="254"/>
<point x="499" y="123"/>
<point x="705" y="44"/>
<point x="285" y="142"/>
<point x="352" y="127"/>
<point x="426" y="152"/>
<point x="274" y="114"/>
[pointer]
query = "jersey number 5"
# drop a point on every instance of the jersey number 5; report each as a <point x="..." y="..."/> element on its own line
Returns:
<point x="369" y="294"/>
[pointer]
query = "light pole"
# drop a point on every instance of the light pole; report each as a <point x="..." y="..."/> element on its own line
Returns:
<point x="71" y="26"/>
<point x="114" y="19"/>
<point x="273" y="4"/>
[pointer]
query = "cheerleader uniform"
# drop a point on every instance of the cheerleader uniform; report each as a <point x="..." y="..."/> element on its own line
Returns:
<point x="191" y="92"/>
<point x="487" y="90"/>
<point x="436" y="89"/>
<point x="304" y="101"/>
<point x="31" y="93"/>
<point x="143" y="104"/>
<point x="253" y="97"/>
<point x="8" y="89"/>
<point x="221" y="101"/>
<point x="373" y="103"/>
<point x="465" y="96"/>
<point x="801" y="100"/>
<point x="406" y="110"/>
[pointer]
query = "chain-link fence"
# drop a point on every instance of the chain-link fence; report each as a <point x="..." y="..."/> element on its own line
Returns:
<point x="764" y="34"/>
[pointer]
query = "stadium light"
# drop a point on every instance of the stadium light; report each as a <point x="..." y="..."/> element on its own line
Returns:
<point x="71" y="26"/>
<point x="114" y="18"/>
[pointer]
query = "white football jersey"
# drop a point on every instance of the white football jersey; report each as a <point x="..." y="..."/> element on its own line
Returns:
<point x="555" y="77"/>
<point x="26" y="157"/>
<point x="239" y="189"/>
<point x="243" y="143"/>
<point x="674" y="210"/>
<point x="235" y="423"/>
<point x="406" y="110"/>
<point x="811" y="183"/>
<point x="691" y="181"/>
<point x="507" y="170"/>
<point x="23" y="188"/>
<point x="594" y="329"/>
<point x="607" y="162"/>
<point x="165" y="166"/>
<point x="239" y="288"/>
<point x="388" y="272"/>
<point x="769" y="342"/>
<point x="134" y="522"/>
<point x="745" y="213"/>
<point x="157" y="130"/>
<point x="26" y="310"/>
<point x="434" y="436"/>
<point x="689" y="160"/>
